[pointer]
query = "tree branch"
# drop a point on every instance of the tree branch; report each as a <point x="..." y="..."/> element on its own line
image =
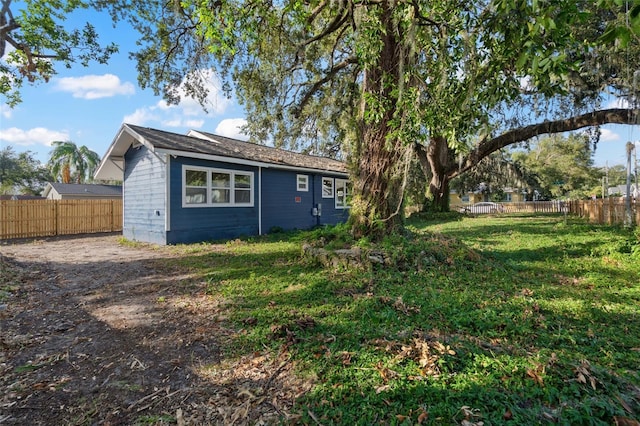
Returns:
<point x="488" y="146"/>
<point x="315" y="12"/>
<point x="337" y="22"/>
<point x="318" y="84"/>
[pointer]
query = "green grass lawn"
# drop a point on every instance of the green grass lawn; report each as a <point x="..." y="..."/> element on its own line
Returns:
<point x="501" y="320"/>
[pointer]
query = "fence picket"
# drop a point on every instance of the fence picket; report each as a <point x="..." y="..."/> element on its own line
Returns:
<point x="607" y="211"/>
<point x="43" y="218"/>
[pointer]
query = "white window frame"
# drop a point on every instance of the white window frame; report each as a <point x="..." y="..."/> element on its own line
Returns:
<point x="342" y="184"/>
<point x="331" y="183"/>
<point x="300" y="179"/>
<point x="232" y="188"/>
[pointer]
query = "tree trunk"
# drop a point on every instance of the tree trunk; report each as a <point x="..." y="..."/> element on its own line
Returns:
<point x="66" y="173"/>
<point x="378" y="190"/>
<point x="439" y="158"/>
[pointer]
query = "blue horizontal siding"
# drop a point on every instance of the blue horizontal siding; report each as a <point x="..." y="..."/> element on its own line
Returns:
<point x="194" y="224"/>
<point x="287" y="208"/>
<point x="330" y="214"/>
<point x="145" y="212"/>
<point x="283" y="206"/>
<point x="144" y="196"/>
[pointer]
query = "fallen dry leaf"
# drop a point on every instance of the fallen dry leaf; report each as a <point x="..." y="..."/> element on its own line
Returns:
<point x="536" y="374"/>
<point x="624" y="421"/>
<point x="382" y="388"/>
<point x="584" y="374"/>
<point x="508" y="415"/>
<point x="385" y="373"/>
<point x="624" y="404"/>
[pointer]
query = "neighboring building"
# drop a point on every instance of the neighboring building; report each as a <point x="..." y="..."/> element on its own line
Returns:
<point x="510" y="195"/>
<point x="200" y="186"/>
<point x="75" y="191"/>
<point x="20" y="197"/>
<point x="621" y="190"/>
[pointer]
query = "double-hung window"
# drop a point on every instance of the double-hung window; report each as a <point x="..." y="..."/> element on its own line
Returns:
<point x="203" y="186"/>
<point x="343" y="193"/>
<point x="302" y="183"/>
<point x="327" y="187"/>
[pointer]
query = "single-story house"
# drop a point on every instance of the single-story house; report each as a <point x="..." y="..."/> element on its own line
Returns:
<point x="14" y="197"/>
<point x="200" y="186"/>
<point x="509" y="195"/>
<point x="622" y="190"/>
<point x="75" y="191"/>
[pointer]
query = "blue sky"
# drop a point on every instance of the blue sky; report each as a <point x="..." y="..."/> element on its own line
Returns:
<point x="88" y="105"/>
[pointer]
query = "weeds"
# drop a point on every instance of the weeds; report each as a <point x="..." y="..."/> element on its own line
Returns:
<point x="518" y="320"/>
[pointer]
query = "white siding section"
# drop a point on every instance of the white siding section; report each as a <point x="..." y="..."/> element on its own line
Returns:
<point x="145" y="196"/>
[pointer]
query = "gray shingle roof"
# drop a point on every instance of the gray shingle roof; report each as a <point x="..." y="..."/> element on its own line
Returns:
<point x="74" y="188"/>
<point x="233" y="148"/>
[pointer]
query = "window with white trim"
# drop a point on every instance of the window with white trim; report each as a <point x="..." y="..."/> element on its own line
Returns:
<point x="343" y="193"/>
<point x="302" y="183"/>
<point x="327" y="187"/>
<point x="203" y="186"/>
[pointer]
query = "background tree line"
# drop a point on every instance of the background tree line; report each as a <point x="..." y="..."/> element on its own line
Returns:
<point x="551" y="167"/>
<point x="22" y="174"/>
<point x="442" y="84"/>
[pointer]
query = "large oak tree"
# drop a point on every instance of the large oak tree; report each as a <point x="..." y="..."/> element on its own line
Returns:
<point x="452" y="81"/>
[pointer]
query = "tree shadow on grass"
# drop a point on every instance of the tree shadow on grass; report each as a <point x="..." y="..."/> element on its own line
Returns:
<point x="126" y="341"/>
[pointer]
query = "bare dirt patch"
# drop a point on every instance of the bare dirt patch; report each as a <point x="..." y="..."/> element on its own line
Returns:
<point x="94" y="332"/>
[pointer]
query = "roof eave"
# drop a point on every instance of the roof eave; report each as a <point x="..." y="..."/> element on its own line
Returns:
<point x="242" y="161"/>
<point x="119" y="146"/>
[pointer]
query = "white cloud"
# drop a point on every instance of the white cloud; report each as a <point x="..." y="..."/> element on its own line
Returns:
<point x="7" y="51"/>
<point x="95" y="86"/>
<point x="141" y="116"/>
<point x="193" y="124"/>
<point x="231" y="128"/>
<point x="607" y="135"/>
<point x="526" y="83"/>
<point x="5" y="111"/>
<point x="617" y="103"/>
<point x="35" y="136"/>
<point x="188" y="113"/>
<point x="216" y="102"/>
<point x="180" y="122"/>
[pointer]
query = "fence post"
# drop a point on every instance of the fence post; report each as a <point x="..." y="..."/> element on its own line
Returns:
<point x="56" y="216"/>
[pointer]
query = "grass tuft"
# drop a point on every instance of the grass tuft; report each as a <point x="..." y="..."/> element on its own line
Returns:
<point x="501" y="320"/>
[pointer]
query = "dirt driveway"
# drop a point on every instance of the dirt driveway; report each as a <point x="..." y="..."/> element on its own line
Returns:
<point x="94" y="332"/>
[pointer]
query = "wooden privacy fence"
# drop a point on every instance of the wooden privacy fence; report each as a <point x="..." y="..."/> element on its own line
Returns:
<point x="43" y="218"/>
<point x="610" y="211"/>
<point x="525" y="207"/>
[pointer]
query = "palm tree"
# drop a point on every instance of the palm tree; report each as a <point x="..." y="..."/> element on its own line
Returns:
<point x="69" y="162"/>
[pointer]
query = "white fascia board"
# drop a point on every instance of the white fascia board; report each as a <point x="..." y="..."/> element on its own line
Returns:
<point x="140" y="139"/>
<point x="47" y="190"/>
<point x="120" y="144"/>
<point x="107" y="155"/>
<point x="243" y="161"/>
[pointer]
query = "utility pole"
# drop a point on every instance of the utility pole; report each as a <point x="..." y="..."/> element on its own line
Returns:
<point x="628" y="219"/>
<point x="635" y="155"/>
<point x="606" y="177"/>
